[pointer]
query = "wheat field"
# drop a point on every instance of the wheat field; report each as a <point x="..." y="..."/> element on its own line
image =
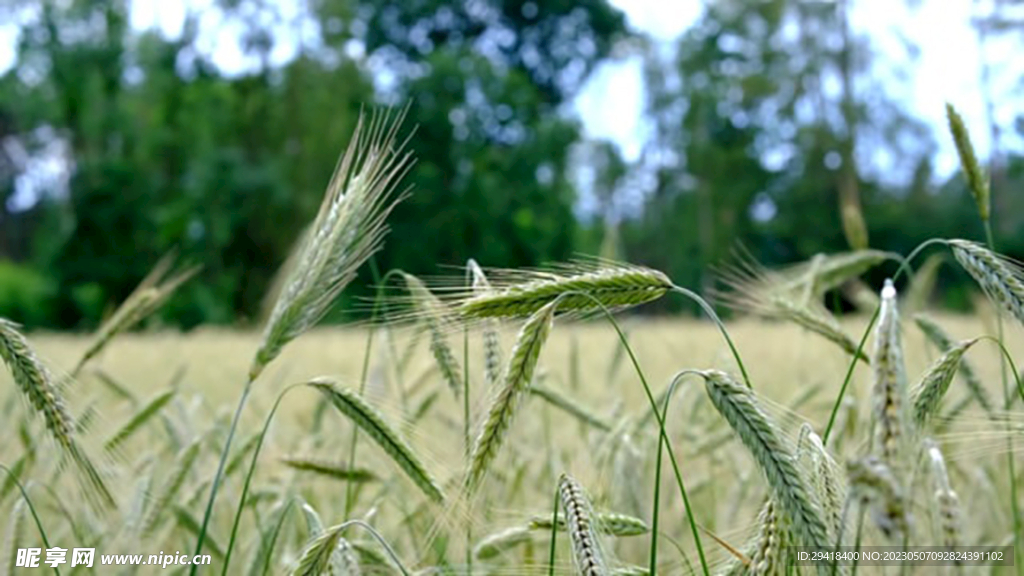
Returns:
<point x="796" y="373"/>
<point x="527" y="421"/>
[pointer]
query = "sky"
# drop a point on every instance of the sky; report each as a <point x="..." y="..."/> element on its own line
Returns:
<point x="947" y="69"/>
<point x="611" y="103"/>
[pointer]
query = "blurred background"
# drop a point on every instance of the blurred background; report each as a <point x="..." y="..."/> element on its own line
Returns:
<point x="661" y="133"/>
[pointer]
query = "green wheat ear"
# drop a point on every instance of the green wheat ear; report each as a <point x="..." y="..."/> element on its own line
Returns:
<point x="976" y="179"/>
<point x="577" y="288"/>
<point x="790" y="488"/>
<point x="36" y="383"/>
<point x="348" y="229"/>
<point x="150" y="294"/>
<point x="356" y="409"/>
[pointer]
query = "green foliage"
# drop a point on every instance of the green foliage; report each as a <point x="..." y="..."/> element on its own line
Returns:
<point x="765" y="119"/>
<point x="26" y="296"/>
<point x="171" y="152"/>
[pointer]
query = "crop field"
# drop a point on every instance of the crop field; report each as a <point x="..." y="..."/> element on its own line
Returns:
<point x="526" y="421"/>
<point x="796" y="373"/>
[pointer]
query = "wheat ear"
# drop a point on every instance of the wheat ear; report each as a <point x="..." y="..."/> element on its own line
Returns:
<point x="36" y="383"/>
<point x="316" y="558"/>
<point x="944" y="343"/>
<point x="976" y="179"/>
<point x="138" y="419"/>
<point x="495" y="544"/>
<point x="175" y="480"/>
<point x="347" y="230"/>
<point x="185" y="519"/>
<point x="151" y="293"/>
<point x="586" y="551"/>
<point x="764" y="440"/>
<point x="771" y="541"/>
<point x="328" y="469"/>
<point x="998" y="277"/>
<point x="614" y="286"/>
<point x="492" y="343"/>
<point x="826" y="477"/>
<point x="344" y="561"/>
<point x="872" y="481"/>
<point x="946" y="513"/>
<point x="610" y="523"/>
<point x="373" y="424"/>
<point x="433" y="316"/>
<point x="569" y="406"/>
<point x="822" y="324"/>
<point x="928" y="393"/>
<point x="516" y="379"/>
<point x="890" y="388"/>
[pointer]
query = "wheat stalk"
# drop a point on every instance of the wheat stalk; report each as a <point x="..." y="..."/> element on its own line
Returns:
<point x="736" y="403"/>
<point x="576" y="289"/>
<point x="347" y="230"/>
<point x="586" y="551"/>
<point x="516" y="378"/>
<point x="373" y="424"/>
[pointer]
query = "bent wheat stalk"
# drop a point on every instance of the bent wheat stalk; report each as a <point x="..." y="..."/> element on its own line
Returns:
<point x="773" y="455"/>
